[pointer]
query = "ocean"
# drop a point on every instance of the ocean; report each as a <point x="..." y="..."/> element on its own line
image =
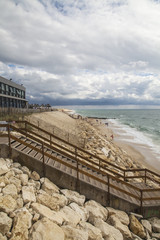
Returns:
<point x="140" y="126"/>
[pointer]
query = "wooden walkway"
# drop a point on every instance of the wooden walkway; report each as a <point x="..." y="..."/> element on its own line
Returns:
<point x="72" y="164"/>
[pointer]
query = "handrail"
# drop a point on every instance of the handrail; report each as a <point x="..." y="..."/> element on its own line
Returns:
<point x="101" y="161"/>
<point x="79" y="170"/>
<point x="82" y="160"/>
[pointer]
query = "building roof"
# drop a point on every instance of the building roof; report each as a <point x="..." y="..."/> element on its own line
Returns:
<point x="12" y="84"/>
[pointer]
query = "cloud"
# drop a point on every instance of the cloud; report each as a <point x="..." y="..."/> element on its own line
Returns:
<point x="82" y="51"/>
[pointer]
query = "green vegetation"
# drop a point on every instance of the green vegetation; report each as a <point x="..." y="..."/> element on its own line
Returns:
<point x="13" y="116"/>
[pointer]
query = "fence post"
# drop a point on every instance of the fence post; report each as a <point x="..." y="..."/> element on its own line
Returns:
<point x="43" y="159"/>
<point x="25" y="126"/>
<point x="77" y="163"/>
<point x="99" y="164"/>
<point x="145" y="176"/>
<point x="50" y="140"/>
<point x="124" y="175"/>
<point x="9" y="141"/>
<point x="108" y="190"/>
<point x="141" y="207"/>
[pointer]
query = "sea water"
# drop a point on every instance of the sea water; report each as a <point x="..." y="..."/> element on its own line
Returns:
<point x="140" y="126"/>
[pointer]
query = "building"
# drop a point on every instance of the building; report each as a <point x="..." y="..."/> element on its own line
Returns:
<point x="12" y="95"/>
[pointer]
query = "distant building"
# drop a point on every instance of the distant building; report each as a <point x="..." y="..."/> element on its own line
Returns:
<point x="12" y="94"/>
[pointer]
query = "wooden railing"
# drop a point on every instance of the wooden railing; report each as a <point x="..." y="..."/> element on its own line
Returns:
<point x="77" y="155"/>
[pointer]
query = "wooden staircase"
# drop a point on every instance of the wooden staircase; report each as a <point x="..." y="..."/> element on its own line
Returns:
<point x="84" y="166"/>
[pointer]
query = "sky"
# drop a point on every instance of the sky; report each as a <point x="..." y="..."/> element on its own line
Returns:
<point x="82" y="52"/>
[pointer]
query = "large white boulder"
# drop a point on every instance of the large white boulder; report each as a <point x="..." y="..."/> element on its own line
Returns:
<point x="115" y="222"/>
<point x="3" y="166"/>
<point x="56" y="217"/>
<point x="108" y="231"/>
<point x="155" y="222"/>
<point x="96" y="210"/>
<point x="80" y="210"/>
<point x="11" y="190"/>
<point x="121" y="215"/>
<point x="21" y="225"/>
<point x="49" y="187"/>
<point x="73" y="233"/>
<point x="74" y="196"/>
<point x="93" y="232"/>
<point x="45" y="229"/>
<point x="70" y="216"/>
<point x="5" y="223"/>
<point x="28" y="194"/>
<point x="7" y="204"/>
<point x="54" y="201"/>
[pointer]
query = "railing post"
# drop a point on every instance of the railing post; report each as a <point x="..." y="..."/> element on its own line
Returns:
<point x="145" y="176"/>
<point x="25" y="126"/>
<point x="124" y="175"/>
<point x="43" y="159"/>
<point x="108" y="190"/>
<point x="77" y="163"/>
<point x="99" y="164"/>
<point x="50" y="140"/>
<point x="9" y="141"/>
<point x="141" y="207"/>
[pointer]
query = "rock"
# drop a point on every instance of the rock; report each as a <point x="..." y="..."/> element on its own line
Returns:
<point x="93" y="232"/>
<point x="16" y="182"/>
<point x="72" y="233"/>
<point x="135" y="237"/>
<point x="10" y="174"/>
<point x="115" y="222"/>
<point x="3" y="167"/>
<point x="11" y="190"/>
<point x="146" y="224"/>
<point x="16" y="165"/>
<point x="56" y="217"/>
<point x="122" y="216"/>
<point x="35" y="176"/>
<point x="70" y="216"/>
<point x="80" y="210"/>
<point x="35" y="184"/>
<point x="95" y="210"/>
<point x="136" y="227"/>
<point x="49" y="187"/>
<point x="7" y="204"/>
<point x="108" y="232"/>
<point x="24" y="179"/>
<point x="22" y="222"/>
<point x="36" y="217"/>
<point x="26" y="170"/>
<point x="45" y="229"/>
<point x="155" y="223"/>
<point x="54" y="202"/>
<point x="28" y="194"/>
<point x="156" y="235"/>
<point x="19" y="202"/>
<point x="2" y="237"/>
<point x="5" y="223"/>
<point x="74" y="196"/>
<point x="17" y="170"/>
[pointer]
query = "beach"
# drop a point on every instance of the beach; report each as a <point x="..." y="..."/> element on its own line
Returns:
<point x="96" y="137"/>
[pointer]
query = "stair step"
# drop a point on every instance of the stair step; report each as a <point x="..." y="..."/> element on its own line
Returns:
<point x="15" y="144"/>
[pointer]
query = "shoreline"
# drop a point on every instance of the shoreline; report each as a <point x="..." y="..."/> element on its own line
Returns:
<point x="140" y="153"/>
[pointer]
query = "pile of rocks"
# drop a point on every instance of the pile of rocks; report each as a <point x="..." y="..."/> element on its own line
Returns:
<point x="35" y="208"/>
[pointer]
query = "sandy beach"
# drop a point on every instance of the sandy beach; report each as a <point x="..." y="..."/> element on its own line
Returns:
<point x="95" y="136"/>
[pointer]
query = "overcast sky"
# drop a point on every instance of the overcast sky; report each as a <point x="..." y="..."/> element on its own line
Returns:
<point x="82" y="51"/>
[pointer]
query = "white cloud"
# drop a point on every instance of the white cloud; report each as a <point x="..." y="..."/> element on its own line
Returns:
<point x="84" y="49"/>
